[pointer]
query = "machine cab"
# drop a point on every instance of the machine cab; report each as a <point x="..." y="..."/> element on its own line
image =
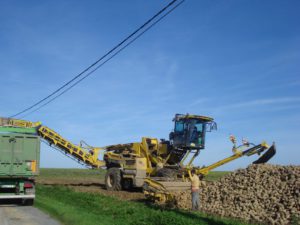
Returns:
<point x="189" y="131"/>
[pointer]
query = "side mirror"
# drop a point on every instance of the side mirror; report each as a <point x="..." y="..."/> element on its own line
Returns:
<point x="214" y="126"/>
<point x="211" y="126"/>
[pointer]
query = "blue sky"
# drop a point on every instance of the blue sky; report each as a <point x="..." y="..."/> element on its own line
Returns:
<point x="236" y="61"/>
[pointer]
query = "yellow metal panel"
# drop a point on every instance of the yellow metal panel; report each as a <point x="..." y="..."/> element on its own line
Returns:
<point x="141" y="163"/>
<point x="33" y="166"/>
<point x="18" y="123"/>
<point x="163" y="149"/>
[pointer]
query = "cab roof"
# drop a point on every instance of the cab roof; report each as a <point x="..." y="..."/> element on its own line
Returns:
<point x="189" y="116"/>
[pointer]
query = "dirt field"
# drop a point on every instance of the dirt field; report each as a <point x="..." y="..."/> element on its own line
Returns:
<point x="85" y="181"/>
<point x="267" y="194"/>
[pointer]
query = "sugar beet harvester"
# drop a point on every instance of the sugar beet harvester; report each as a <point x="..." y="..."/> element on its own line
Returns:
<point x="159" y="166"/>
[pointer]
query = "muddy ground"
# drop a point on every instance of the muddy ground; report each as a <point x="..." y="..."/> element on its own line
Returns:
<point x="260" y="193"/>
<point x="92" y="185"/>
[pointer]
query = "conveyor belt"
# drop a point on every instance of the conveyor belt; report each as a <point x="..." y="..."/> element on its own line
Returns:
<point x="87" y="156"/>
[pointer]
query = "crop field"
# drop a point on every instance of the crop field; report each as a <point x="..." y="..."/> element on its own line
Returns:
<point x="84" y="180"/>
<point x="92" y="181"/>
<point x="77" y="196"/>
<point x="88" y="175"/>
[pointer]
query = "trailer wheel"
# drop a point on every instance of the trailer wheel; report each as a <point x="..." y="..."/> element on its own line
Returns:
<point x="27" y="202"/>
<point x="113" y="179"/>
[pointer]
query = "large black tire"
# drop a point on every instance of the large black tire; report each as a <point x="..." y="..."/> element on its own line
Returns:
<point x="113" y="179"/>
<point x="127" y="184"/>
<point x="167" y="172"/>
<point x="28" y="202"/>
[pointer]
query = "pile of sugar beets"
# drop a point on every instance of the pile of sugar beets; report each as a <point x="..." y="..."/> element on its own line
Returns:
<point x="268" y="194"/>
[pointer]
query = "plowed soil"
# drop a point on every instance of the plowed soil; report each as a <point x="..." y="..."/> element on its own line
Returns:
<point x="92" y="185"/>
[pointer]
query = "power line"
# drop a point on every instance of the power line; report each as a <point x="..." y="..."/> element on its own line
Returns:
<point x="100" y="59"/>
<point x="100" y="65"/>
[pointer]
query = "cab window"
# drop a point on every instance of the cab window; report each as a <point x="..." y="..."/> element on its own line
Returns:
<point x="200" y="130"/>
<point x="199" y="127"/>
<point x="179" y="127"/>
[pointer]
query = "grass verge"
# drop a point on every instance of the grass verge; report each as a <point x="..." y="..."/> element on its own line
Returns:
<point x="76" y="208"/>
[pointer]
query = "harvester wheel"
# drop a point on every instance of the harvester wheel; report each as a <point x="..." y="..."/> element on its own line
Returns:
<point x="113" y="179"/>
<point x="127" y="184"/>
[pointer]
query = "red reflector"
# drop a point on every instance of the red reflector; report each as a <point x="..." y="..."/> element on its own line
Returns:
<point x="28" y="185"/>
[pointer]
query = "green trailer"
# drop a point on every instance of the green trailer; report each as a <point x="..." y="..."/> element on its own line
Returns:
<point x="19" y="163"/>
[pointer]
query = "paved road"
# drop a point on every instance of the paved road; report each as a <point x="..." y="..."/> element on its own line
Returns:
<point x="23" y="215"/>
